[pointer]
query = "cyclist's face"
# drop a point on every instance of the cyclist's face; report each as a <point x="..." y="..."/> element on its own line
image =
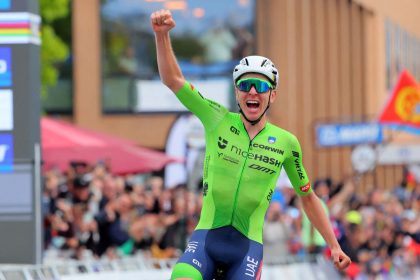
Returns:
<point x="253" y="103"/>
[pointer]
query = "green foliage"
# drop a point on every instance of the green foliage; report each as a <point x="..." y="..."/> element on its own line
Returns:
<point x="187" y="47"/>
<point x="53" y="9"/>
<point x="53" y="49"/>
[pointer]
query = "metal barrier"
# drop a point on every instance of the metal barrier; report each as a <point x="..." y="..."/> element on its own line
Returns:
<point x="139" y="268"/>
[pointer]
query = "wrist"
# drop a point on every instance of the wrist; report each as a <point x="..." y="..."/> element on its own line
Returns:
<point x="162" y="34"/>
<point x="335" y="246"/>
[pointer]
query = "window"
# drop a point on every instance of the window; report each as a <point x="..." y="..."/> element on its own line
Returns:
<point x="402" y="52"/>
<point x="209" y="39"/>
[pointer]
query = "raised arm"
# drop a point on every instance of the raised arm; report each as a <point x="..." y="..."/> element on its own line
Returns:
<point x="169" y="70"/>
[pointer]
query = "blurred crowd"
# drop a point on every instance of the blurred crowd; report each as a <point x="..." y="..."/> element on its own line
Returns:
<point x="90" y="213"/>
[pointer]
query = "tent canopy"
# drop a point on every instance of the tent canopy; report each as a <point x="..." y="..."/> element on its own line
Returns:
<point x="63" y="143"/>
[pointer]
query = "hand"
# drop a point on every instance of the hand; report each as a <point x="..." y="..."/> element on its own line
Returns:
<point x="162" y="21"/>
<point x="340" y="259"/>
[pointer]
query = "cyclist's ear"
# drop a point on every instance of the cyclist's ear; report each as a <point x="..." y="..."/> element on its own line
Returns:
<point x="273" y="96"/>
<point x="236" y="94"/>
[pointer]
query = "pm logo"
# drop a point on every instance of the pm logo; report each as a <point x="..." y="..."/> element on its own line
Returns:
<point x="5" y="67"/>
<point x="271" y="139"/>
<point x="6" y="152"/>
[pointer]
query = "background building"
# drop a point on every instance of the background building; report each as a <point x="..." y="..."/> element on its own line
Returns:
<point x="338" y="61"/>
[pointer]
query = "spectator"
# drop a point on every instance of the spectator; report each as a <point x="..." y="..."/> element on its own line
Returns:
<point x="311" y="239"/>
<point x="276" y="236"/>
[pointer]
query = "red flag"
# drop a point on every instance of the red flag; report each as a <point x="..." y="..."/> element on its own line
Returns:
<point x="403" y="108"/>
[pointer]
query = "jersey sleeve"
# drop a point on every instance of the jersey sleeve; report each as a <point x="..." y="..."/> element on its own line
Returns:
<point x="209" y="112"/>
<point x="295" y="169"/>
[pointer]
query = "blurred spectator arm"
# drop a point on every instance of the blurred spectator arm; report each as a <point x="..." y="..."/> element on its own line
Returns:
<point x="340" y="198"/>
<point x="318" y="217"/>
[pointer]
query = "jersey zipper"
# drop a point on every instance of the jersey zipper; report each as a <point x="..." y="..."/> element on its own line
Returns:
<point x="242" y="171"/>
<point x="239" y="186"/>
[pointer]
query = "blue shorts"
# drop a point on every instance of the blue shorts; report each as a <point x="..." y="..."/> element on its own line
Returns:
<point x="224" y="248"/>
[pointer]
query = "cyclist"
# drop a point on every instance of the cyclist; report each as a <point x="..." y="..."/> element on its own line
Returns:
<point x="244" y="156"/>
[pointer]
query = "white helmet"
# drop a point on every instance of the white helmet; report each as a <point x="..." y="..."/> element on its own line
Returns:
<point x="256" y="64"/>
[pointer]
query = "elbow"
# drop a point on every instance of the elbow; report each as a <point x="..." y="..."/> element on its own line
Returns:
<point x="174" y="84"/>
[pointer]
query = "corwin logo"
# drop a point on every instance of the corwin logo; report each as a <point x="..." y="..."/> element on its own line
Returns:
<point x="6" y="153"/>
<point x="262" y="168"/>
<point x="268" y="148"/>
<point x="222" y="143"/>
<point x="234" y="130"/>
<point x="271" y="139"/>
<point x="5" y="67"/>
<point x="297" y="164"/>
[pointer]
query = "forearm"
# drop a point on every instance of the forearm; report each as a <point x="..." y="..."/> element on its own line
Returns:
<point x="169" y="70"/>
<point x="319" y="219"/>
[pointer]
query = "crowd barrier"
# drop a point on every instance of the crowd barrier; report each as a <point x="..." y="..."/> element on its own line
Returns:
<point x="139" y="268"/>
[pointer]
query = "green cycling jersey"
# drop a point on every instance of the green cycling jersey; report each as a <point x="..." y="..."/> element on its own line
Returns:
<point x="240" y="173"/>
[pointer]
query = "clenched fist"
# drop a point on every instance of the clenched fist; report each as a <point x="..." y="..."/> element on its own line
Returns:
<point x="162" y="21"/>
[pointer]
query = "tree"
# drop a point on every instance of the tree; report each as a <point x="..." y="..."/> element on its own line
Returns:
<point x="54" y="49"/>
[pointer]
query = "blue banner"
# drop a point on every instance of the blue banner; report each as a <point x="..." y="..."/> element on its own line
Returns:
<point x="6" y="153"/>
<point x="5" y="4"/>
<point x="331" y="135"/>
<point x="5" y="67"/>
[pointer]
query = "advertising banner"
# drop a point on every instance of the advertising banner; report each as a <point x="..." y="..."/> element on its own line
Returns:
<point x="6" y="153"/>
<point x="332" y="135"/>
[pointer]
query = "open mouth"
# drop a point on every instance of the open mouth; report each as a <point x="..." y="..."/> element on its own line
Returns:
<point x="252" y="104"/>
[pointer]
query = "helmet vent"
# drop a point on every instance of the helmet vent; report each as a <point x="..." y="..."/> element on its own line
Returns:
<point x="246" y="60"/>
<point x="264" y="61"/>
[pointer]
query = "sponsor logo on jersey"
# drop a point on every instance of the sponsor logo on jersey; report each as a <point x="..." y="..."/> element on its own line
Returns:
<point x="246" y="154"/>
<point x="205" y="188"/>
<point x="228" y="158"/>
<point x="271" y="139"/>
<point x="297" y="165"/>
<point x="222" y="143"/>
<point x="234" y="130"/>
<point x="268" y="148"/>
<point x="198" y="92"/>
<point x="270" y="195"/>
<point x="197" y="263"/>
<point x="251" y="267"/>
<point x="191" y="247"/>
<point x="305" y="188"/>
<point x="262" y="168"/>
<point x="215" y="104"/>
<point x="206" y="168"/>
